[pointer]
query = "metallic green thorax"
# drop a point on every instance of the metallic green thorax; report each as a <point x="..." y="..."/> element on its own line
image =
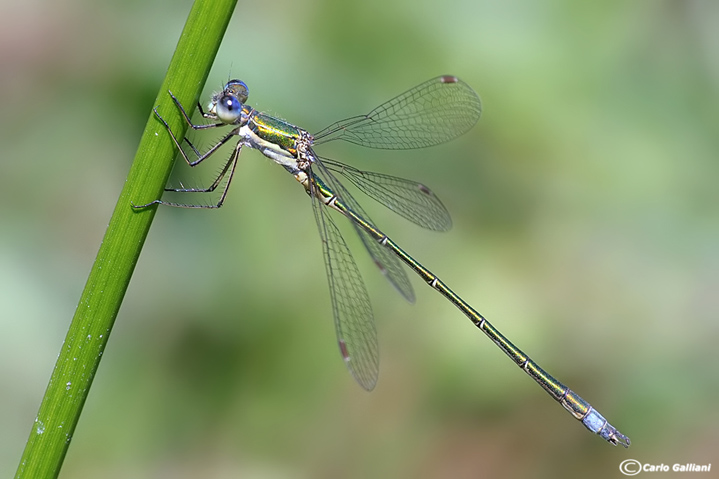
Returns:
<point x="276" y="131"/>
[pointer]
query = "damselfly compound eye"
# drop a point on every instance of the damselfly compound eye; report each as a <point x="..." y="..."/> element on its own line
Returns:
<point x="228" y="109"/>
<point x="238" y="89"/>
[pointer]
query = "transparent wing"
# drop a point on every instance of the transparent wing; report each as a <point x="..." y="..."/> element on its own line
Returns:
<point x="385" y="260"/>
<point x="407" y="198"/>
<point x="431" y="113"/>
<point x="351" y="308"/>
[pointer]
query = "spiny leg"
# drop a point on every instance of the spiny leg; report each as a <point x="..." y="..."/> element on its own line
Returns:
<point x="200" y="158"/>
<point x="202" y="112"/>
<point x="218" y="180"/>
<point x="228" y="169"/>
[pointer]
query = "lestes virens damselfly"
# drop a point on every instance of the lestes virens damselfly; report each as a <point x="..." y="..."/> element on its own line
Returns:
<point x="431" y="113"/>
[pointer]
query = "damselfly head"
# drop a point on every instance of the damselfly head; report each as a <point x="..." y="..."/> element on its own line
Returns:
<point x="227" y="104"/>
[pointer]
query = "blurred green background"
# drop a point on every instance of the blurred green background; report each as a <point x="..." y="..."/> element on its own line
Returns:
<point x="586" y="222"/>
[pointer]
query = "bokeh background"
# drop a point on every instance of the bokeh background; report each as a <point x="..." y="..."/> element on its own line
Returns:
<point x="586" y="222"/>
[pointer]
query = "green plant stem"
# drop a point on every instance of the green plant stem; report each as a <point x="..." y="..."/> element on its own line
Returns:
<point x="89" y="331"/>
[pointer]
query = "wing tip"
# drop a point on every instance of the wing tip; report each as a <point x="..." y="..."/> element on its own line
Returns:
<point x="367" y="381"/>
<point x="448" y="79"/>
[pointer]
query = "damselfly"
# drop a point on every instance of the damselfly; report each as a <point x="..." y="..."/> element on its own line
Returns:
<point x="431" y="113"/>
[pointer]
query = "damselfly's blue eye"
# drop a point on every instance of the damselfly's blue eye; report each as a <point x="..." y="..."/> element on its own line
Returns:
<point x="228" y="109"/>
<point x="238" y="89"/>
